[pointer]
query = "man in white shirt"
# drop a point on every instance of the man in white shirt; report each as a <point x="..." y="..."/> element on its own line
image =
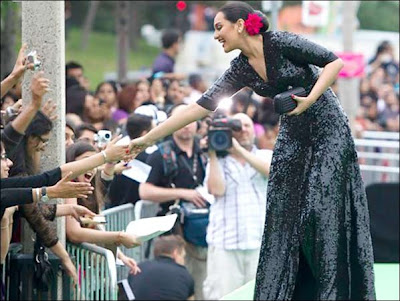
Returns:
<point x="239" y="184"/>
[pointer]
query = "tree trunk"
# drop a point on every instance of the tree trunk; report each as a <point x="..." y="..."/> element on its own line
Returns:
<point x="88" y="24"/>
<point x="8" y="39"/>
<point x="133" y="25"/>
<point x="122" y="28"/>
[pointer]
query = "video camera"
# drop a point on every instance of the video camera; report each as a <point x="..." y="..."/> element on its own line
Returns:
<point x="220" y="133"/>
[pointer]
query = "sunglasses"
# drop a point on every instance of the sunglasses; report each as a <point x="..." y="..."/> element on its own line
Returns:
<point x="44" y="141"/>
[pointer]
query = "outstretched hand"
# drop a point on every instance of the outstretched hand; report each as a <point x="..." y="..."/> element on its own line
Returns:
<point x="138" y="145"/>
<point x="65" y="188"/>
<point x="303" y="103"/>
<point x="116" y="152"/>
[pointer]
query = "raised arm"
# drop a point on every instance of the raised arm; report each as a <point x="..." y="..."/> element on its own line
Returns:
<point x="39" y="86"/>
<point x="19" y="69"/>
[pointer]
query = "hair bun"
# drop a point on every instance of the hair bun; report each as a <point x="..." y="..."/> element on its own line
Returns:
<point x="264" y="20"/>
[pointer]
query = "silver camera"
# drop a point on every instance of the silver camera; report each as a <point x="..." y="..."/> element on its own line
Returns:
<point x="102" y="137"/>
<point x="32" y="59"/>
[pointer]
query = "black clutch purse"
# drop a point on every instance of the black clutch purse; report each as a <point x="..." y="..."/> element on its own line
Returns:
<point x="283" y="102"/>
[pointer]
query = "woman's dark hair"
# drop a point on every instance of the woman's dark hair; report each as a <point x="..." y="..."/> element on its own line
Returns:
<point x="235" y="10"/>
<point x="77" y="149"/>
<point x="111" y="83"/>
<point x="39" y="126"/>
<point x="126" y="98"/>
<point x="94" y="201"/>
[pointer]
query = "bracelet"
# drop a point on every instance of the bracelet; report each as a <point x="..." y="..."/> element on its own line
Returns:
<point x="104" y="156"/>
<point x="37" y="191"/>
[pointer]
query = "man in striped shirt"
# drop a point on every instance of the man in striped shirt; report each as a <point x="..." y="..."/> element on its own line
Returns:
<point x="239" y="184"/>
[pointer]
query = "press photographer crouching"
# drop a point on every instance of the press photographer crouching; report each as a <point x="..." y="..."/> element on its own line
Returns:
<point x="237" y="176"/>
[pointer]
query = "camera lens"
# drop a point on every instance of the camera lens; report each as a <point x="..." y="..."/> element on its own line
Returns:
<point x="107" y="136"/>
<point x="220" y="140"/>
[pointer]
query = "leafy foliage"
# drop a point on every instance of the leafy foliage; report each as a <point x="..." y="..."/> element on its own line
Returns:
<point x="379" y="15"/>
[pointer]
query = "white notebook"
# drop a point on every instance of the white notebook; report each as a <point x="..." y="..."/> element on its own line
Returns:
<point x="147" y="228"/>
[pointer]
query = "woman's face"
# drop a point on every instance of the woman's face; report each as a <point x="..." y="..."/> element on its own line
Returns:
<point x="142" y="93"/>
<point x="88" y="176"/>
<point x="93" y="109"/>
<point x="38" y="143"/>
<point x="106" y="92"/>
<point x="5" y="164"/>
<point x="226" y="32"/>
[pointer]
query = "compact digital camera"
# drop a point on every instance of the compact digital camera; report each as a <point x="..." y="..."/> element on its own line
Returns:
<point x="32" y="59"/>
<point x="220" y="133"/>
<point x="102" y="137"/>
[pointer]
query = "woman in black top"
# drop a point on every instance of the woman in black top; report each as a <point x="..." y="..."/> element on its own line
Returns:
<point x="21" y="190"/>
<point x="317" y="242"/>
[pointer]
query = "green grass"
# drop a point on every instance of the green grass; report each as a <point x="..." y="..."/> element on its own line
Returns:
<point x="100" y="56"/>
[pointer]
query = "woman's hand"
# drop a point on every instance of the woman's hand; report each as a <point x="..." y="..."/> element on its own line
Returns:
<point x="303" y="103"/>
<point x="77" y="211"/>
<point x="117" y="152"/>
<point x="70" y="269"/>
<point x="128" y="240"/>
<point x="39" y="87"/>
<point x="67" y="189"/>
<point x="22" y="63"/>
<point x="138" y="145"/>
<point x="130" y="263"/>
<point x="48" y="109"/>
<point x="120" y="167"/>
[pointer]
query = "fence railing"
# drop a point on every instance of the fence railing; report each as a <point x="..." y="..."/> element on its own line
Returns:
<point x="378" y="154"/>
<point x="118" y="219"/>
<point x="96" y="271"/>
<point x="145" y="209"/>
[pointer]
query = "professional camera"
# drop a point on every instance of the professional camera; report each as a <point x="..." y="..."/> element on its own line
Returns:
<point x="220" y="133"/>
<point x="102" y="137"/>
<point x="32" y="59"/>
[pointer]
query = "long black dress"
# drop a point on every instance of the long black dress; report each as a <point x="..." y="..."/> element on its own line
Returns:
<point x="316" y="242"/>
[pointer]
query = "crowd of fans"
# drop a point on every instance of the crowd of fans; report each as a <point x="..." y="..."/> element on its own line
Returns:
<point x="132" y="109"/>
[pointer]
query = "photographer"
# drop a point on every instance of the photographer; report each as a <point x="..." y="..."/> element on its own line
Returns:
<point x="239" y="183"/>
<point x="158" y="188"/>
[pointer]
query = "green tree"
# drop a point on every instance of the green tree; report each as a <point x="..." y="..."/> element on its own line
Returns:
<point x="379" y="15"/>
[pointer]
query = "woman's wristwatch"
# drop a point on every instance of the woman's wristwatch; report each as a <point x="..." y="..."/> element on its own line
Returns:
<point x="45" y="197"/>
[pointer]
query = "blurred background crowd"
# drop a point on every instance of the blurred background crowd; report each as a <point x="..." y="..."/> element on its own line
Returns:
<point x="101" y="103"/>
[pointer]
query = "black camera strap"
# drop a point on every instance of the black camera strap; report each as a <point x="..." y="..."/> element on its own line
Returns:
<point x="193" y="169"/>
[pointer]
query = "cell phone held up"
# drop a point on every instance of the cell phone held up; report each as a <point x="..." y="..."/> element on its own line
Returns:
<point x="284" y="103"/>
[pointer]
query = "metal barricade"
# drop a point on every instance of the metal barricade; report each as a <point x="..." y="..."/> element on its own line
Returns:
<point x="118" y="219"/>
<point x="145" y="209"/>
<point x="378" y="154"/>
<point x="96" y="271"/>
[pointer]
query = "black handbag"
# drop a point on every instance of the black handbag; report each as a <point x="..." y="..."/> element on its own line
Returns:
<point x="44" y="274"/>
<point x="284" y="103"/>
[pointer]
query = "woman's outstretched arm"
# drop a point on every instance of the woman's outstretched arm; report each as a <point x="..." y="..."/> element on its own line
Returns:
<point x="192" y="113"/>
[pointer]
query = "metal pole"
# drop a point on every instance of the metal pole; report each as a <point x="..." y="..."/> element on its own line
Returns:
<point x="349" y="92"/>
<point x="274" y="15"/>
<point x="43" y="29"/>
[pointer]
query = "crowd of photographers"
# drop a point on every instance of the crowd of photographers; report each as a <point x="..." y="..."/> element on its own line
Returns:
<point x="213" y="172"/>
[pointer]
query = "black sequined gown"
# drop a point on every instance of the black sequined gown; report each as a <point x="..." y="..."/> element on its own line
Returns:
<point x="316" y="242"/>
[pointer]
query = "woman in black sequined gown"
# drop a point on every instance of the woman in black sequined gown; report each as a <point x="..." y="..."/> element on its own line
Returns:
<point x="316" y="242"/>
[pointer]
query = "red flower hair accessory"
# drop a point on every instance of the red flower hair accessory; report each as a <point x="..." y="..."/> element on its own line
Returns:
<point x="253" y="24"/>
